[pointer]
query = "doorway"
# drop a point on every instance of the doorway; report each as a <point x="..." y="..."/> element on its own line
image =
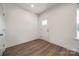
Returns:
<point x="44" y="30"/>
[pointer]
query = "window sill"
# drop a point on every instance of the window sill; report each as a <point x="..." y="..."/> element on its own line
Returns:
<point x="77" y="38"/>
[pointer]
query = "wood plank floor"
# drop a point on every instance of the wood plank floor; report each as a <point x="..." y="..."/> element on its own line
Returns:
<point x="38" y="48"/>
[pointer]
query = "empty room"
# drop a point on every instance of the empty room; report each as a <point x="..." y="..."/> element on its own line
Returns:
<point x="39" y="29"/>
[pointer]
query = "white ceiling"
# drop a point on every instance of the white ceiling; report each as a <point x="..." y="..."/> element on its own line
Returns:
<point x="36" y="7"/>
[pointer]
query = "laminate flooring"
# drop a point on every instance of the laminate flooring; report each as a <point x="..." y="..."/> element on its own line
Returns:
<point x="38" y="48"/>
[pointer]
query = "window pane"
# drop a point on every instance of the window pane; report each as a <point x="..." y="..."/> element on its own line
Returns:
<point x="77" y="29"/>
<point x="44" y="22"/>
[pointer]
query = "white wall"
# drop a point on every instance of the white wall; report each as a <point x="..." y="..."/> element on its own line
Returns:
<point x="62" y="26"/>
<point x="2" y="31"/>
<point x="21" y="25"/>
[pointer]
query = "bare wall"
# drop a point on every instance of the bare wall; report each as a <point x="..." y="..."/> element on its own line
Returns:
<point x="21" y="25"/>
<point x="62" y="26"/>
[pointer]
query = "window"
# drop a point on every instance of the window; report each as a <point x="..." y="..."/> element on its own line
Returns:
<point x="77" y="27"/>
<point x="44" y="22"/>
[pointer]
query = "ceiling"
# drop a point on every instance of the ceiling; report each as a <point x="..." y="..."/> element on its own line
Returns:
<point x="36" y="7"/>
